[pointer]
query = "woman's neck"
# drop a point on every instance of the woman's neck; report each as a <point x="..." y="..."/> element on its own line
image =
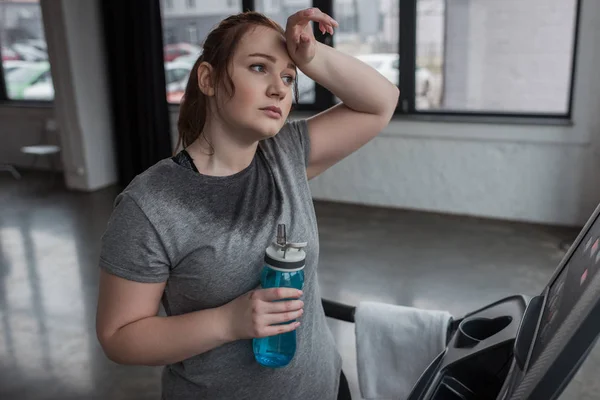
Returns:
<point x="218" y="152"/>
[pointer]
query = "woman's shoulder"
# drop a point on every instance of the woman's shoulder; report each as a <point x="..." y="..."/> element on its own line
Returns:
<point x="292" y="140"/>
<point x="292" y="131"/>
<point x="159" y="181"/>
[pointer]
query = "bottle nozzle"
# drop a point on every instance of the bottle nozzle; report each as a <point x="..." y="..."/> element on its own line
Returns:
<point x="281" y="235"/>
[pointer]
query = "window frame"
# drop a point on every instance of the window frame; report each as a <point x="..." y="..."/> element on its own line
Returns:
<point x="407" y="44"/>
<point x="406" y="104"/>
<point x="3" y="89"/>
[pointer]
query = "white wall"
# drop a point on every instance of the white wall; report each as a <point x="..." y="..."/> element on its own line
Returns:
<point x="89" y="79"/>
<point x="82" y="105"/>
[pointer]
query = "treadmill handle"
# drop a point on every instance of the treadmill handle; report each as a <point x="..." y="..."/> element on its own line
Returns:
<point x="344" y="312"/>
<point x="340" y="311"/>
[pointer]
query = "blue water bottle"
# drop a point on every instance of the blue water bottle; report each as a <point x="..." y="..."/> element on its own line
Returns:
<point x="284" y="267"/>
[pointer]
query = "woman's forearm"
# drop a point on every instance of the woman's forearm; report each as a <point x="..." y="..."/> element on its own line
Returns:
<point x="359" y="86"/>
<point x="166" y="340"/>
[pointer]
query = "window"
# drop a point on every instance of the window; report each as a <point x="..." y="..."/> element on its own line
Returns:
<point x="183" y="34"/>
<point x="369" y="33"/>
<point x="488" y="56"/>
<point x="25" y="66"/>
<point x="468" y="57"/>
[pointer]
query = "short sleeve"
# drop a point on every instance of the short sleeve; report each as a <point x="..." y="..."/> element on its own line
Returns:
<point x="295" y="134"/>
<point x="131" y="248"/>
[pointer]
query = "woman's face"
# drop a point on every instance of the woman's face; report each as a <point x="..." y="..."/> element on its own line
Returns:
<point x="263" y="75"/>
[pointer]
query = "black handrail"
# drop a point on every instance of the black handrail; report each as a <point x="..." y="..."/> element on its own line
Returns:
<point x="340" y="311"/>
<point x="344" y="312"/>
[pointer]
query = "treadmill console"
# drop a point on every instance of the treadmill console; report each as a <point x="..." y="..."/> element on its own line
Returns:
<point x="523" y="348"/>
<point x="566" y="290"/>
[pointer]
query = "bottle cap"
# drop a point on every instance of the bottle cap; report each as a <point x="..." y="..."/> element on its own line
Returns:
<point x="283" y="255"/>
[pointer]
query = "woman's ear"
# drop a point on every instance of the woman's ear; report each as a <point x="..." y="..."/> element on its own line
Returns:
<point x="205" y="79"/>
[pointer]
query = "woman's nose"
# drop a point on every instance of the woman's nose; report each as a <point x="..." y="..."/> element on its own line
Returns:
<point x="277" y="88"/>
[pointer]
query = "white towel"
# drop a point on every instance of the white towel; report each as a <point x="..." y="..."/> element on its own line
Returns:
<point x="394" y="346"/>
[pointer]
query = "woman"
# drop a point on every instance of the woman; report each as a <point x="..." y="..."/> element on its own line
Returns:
<point x="191" y="231"/>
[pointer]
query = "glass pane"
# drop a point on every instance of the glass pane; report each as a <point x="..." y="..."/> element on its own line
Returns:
<point x="185" y="26"/>
<point x="495" y="56"/>
<point x="279" y="11"/>
<point x="24" y="53"/>
<point x="369" y="31"/>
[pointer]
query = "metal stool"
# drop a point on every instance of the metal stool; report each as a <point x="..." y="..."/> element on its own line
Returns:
<point x="43" y="148"/>
<point x="10" y="168"/>
<point x="38" y="150"/>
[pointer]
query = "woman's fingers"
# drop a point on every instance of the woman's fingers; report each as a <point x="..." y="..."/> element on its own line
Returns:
<point x="280" y="318"/>
<point x="324" y="19"/>
<point x="325" y="28"/>
<point x="274" y="294"/>
<point x="277" y="329"/>
<point x="326" y="23"/>
<point x="283" y="306"/>
<point x="303" y="16"/>
<point x="316" y="14"/>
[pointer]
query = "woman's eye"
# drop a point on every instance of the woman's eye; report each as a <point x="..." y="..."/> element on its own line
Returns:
<point x="258" y="67"/>
<point x="288" y="79"/>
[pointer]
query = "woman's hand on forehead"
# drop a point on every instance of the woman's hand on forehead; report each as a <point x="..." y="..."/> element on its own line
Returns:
<point x="300" y="40"/>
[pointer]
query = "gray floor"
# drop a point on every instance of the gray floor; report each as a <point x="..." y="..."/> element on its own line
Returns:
<point x="49" y="247"/>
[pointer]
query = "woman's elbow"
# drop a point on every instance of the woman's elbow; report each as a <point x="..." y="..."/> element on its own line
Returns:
<point x="389" y="103"/>
<point x="119" y="355"/>
<point x="394" y="96"/>
<point x="106" y="343"/>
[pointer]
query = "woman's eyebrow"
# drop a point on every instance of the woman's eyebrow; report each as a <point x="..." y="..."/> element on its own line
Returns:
<point x="270" y="58"/>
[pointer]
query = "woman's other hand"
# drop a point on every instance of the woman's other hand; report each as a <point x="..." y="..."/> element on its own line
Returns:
<point x="300" y="40"/>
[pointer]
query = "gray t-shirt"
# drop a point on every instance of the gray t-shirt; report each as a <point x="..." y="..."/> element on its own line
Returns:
<point x="206" y="237"/>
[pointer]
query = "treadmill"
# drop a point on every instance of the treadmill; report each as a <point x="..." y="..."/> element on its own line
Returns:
<point x="523" y="348"/>
<point x="519" y="348"/>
